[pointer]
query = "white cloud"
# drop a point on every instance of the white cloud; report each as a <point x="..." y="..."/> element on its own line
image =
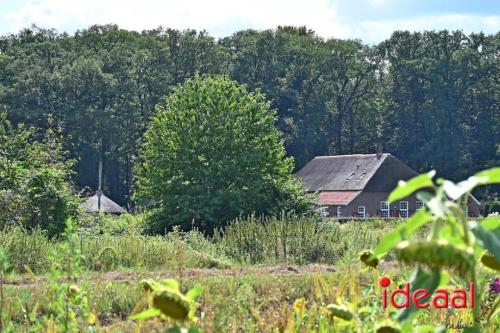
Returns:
<point x="221" y="16"/>
<point x="319" y="15"/>
<point x="375" y="31"/>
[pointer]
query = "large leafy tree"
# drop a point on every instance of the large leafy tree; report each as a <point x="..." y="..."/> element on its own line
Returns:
<point x="211" y="154"/>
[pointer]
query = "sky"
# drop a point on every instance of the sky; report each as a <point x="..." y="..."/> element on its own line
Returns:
<point x="369" y="20"/>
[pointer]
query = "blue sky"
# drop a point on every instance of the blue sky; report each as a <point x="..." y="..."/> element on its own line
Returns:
<point x="369" y="20"/>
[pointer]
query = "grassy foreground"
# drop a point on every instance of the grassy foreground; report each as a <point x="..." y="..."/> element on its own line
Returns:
<point x="270" y="275"/>
<point x="276" y="299"/>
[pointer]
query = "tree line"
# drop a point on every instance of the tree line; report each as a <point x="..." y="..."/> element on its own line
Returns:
<point x="431" y="98"/>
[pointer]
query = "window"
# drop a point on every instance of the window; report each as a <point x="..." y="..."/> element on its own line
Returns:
<point x="324" y="212"/>
<point x="384" y="209"/>
<point x="360" y="176"/>
<point x="339" y="211"/>
<point x="403" y="209"/>
<point x="350" y="176"/>
<point x="361" y="211"/>
<point x="419" y="205"/>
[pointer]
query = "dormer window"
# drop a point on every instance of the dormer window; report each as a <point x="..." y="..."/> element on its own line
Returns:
<point x="348" y="178"/>
<point x="361" y="176"/>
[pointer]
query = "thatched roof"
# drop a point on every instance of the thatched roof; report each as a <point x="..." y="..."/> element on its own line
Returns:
<point x="107" y="205"/>
<point x="371" y="172"/>
<point x="342" y="172"/>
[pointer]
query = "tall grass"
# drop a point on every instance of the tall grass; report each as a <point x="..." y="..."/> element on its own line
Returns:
<point x="30" y="250"/>
<point x="251" y="240"/>
<point x="298" y="240"/>
<point x="25" y="249"/>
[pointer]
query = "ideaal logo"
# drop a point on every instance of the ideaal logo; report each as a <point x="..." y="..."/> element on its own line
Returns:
<point x="441" y="298"/>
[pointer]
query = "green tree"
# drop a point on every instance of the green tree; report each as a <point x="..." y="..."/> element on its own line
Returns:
<point x="212" y="153"/>
<point x="409" y="94"/>
<point x="34" y="180"/>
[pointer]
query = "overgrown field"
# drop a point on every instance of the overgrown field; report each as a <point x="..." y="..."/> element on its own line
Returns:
<point x="279" y="299"/>
<point x="118" y="243"/>
<point x="258" y="275"/>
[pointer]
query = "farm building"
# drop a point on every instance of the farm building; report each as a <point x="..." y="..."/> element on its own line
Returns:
<point x="99" y="203"/>
<point x="358" y="185"/>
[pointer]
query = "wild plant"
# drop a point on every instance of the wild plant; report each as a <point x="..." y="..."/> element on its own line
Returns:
<point x="166" y="302"/>
<point x="67" y="307"/>
<point x="456" y="249"/>
<point x="4" y="268"/>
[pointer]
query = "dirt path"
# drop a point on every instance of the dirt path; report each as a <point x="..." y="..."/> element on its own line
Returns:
<point x="131" y="276"/>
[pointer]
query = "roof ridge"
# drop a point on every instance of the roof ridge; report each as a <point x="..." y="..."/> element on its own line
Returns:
<point x="350" y="155"/>
<point x="382" y="159"/>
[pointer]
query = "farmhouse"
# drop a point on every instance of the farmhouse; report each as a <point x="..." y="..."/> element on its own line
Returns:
<point x="358" y="185"/>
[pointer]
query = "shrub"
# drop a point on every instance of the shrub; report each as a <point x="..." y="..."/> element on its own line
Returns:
<point x="34" y="178"/>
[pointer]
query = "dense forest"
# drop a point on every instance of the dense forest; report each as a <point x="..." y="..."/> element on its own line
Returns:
<point x="431" y="99"/>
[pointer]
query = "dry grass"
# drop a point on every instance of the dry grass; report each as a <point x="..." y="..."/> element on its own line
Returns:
<point x="239" y="300"/>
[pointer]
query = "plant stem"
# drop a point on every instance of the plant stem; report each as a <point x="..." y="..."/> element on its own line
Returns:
<point x="463" y="218"/>
<point x="476" y="311"/>
<point x="435" y="228"/>
<point x="493" y="309"/>
<point x="1" y="301"/>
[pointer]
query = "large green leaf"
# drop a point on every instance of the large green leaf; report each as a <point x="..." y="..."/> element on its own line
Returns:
<point x="193" y="293"/>
<point x="150" y="313"/>
<point x="489" y="176"/>
<point x="492" y="223"/>
<point x="405" y="188"/>
<point x="390" y="240"/>
<point x="487" y="238"/>
<point x="437" y="205"/>
<point x="420" y="279"/>
<point x="455" y="191"/>
<point x="452" y="234"/>
<point x="170" y="283"/>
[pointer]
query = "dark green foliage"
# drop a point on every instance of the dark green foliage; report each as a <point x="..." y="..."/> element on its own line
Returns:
<point x="443" y="97"/>
<point x="492" y="207"/>
<point x="212" y="154"/>
<point x="34" y="180"/>
<point x="429" y="98"/>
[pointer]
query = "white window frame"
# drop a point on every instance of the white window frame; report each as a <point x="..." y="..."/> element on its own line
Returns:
<point x="362" y="211"/>
<point x="403" y="212"/>
<point x="384" y="208"/>
<point x="324" y="211"/>
<point x="419" y="204"/>
<point x="339" y="211"/>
